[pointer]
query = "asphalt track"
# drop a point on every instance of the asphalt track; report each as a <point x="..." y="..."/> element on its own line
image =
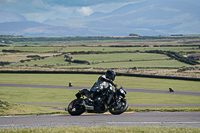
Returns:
<point x="163" y="119"/>
<point x="166" y="119"/>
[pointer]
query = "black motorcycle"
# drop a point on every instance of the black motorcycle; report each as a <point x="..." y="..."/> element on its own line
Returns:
<point x="106" y="99"/>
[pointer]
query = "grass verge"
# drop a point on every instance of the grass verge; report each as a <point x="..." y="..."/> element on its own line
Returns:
<point x="105" y="130"/>
<point x="164" y="109"/>
<point x="7" y="108"/>
<point x="89" y="79"/>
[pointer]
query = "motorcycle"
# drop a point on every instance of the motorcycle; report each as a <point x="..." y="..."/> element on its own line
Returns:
<point x="106" y="99"/>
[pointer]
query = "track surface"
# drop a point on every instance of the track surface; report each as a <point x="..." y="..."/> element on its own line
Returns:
<point x="169" y="119"/>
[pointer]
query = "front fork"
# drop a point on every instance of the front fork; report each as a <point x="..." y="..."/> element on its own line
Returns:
<point x="117" y="102"/>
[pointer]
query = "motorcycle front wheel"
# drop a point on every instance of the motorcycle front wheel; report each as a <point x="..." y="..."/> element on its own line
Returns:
<point x="76" y="107"/>
<point x="117" y="109"/>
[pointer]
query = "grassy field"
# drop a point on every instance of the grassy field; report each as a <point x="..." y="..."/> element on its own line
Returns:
<point x="99" y="48"/>
<point x="41" y="95"/>
<point x="130" y="64"/>
<point x="37" y="49"/>
<point x="105" y="130"/>
<point x="17" y="57"/>
<point x="53" y="61"/>
<point x="111" y="49"/>
<point x="119" y="57"/>
<point x="106" y="59"/>
<point x="125" y="60"/>
<point x="88" y="80"/>
<point x="8" y="108"/>
<point x="45" y="95"/>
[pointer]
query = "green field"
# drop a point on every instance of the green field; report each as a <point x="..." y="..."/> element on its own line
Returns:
<point x="37" y="95"/>
<point x="17" y="57"/>
<point x="111" y="49"/>
<point x="119" y="57"/>
<point x="52" y="61"/>
<point x="130" y="64"/>
<point x="88" y="80"/>
<point x="123" y="60"/>
<point x="105" y="130"/>
<point x="146" y="54"/>
<point x="100" y="48"/>
<point x="44" y="95"/>
<point x="47" y="95"/>
<point x="37" y="49"/>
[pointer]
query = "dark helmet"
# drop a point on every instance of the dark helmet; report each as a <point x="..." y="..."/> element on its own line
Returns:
<point x="110" y="74"/>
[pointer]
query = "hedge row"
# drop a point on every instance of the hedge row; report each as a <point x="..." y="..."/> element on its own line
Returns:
<point x="4" y="63"/>
<point x="176" y="56"/>
<point x="33" y="56"/>
<point x="181" y="58"/>
<point x="16" y="51"/>
<point x="78" y="61"/>
<point x="11" y="51"/>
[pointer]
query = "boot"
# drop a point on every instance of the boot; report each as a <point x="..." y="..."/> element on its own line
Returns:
<point x="89" y="100"/>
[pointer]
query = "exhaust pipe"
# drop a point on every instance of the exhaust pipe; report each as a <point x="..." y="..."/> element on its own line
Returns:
<point x="87" y="107"/>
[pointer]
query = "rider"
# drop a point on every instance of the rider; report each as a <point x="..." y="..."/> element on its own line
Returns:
<point x="104" y="81"/>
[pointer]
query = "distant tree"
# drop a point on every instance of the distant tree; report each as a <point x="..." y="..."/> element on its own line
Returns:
<point x="133" y="34"/>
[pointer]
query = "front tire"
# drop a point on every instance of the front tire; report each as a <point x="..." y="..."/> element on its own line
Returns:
<point x="76" y="108"/>
<point x="120" y="108"/>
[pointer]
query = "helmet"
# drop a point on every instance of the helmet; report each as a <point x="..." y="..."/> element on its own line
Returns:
<point x="110" y="74"/>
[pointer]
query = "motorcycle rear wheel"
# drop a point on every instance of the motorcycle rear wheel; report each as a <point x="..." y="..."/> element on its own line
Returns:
<point x="115" y="110"/>
<point x="76" y="108"/>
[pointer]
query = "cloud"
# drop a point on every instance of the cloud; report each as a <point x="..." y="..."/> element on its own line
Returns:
<point x="41" y="10"/>
<point x="85" y="11"/>
<point x="86" y="3"/>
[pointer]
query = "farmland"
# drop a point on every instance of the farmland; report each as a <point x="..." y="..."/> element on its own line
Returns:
<point x="141" y="55"/>
<point x="152" y="55"/>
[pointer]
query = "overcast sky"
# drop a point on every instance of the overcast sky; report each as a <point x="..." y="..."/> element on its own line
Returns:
<point x="41" y="10"/>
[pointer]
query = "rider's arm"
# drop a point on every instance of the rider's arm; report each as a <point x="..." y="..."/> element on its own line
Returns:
<point x="102" y="78"/>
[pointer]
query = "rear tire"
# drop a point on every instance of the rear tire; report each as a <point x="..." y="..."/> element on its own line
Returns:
<point x="76" y="108"/>
<point x="117" y="111"/>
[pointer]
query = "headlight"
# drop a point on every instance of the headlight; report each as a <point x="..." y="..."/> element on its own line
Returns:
<point x="122" y="93"/>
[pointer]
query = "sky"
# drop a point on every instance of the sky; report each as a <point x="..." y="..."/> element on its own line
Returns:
<point x="41" y="10"/>
<point x="153" y="17"/>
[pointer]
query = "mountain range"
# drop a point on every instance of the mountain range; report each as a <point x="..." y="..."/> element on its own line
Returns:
<point x="151" y="17"/>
